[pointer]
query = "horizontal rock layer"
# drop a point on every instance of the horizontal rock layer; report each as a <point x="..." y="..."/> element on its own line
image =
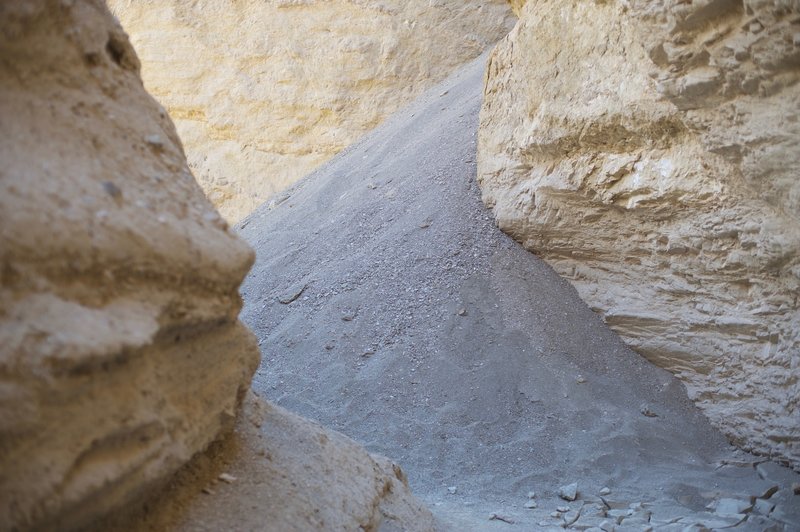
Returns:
<point x="120" y="351"/>
<point x="648" y="151"/>
<point x="263" y="92"/>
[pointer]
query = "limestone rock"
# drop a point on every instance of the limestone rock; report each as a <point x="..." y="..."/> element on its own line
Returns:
<point x="120" y="351"/>
<point x="264" y="92"/>
<point x="648" y="151"/>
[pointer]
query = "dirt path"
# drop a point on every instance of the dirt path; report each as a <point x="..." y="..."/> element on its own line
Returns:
<point x="390" y="308"/>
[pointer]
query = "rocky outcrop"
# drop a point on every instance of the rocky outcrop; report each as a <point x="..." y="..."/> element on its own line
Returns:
<point x="263" y="92"/>
<point x="120" y="351"/>
<point x="648" y="151"/>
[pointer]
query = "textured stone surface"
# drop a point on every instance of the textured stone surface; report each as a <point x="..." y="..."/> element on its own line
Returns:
<point x="285" y="474"/>
<point x="263" y="92"/>
<point x="648" y="151"/>
<point x="120" y="351"/>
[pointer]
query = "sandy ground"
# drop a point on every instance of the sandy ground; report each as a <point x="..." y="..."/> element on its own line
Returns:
<point x="389" y="307"/>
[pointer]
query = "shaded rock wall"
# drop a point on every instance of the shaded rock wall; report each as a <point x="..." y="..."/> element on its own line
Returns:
<point x="263" y="92"/>
<point x="648" y="150"/>
<point x="120" y="351"/>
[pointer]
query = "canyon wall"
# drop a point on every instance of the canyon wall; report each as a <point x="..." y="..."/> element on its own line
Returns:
<point x="263" y="92"/>
<point x="121" y="353"/>
<point x="648" y="150"/>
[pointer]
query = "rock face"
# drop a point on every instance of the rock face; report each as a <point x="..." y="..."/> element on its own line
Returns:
<point x="649" y="152"/>
<point x="263" y="92"/>
<point x="284" y="473"/>
<point x="120" y="351"/>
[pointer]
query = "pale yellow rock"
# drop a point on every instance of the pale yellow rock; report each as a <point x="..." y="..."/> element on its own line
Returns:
<point x="121" y="355"/>
<point x="649" y="152"/>
<point x="264" y="92"/>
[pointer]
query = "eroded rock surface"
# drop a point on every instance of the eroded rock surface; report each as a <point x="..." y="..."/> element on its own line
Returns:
<point x="263" y="92"/>
<point x="120" y="351"/>
<point x="284" y="473"/>
<point x="648" y="151"/>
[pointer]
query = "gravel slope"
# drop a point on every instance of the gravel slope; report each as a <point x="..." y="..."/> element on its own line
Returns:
<point x="389" y="307"/>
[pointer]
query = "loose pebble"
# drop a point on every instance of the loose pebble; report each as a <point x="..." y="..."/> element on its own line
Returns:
<point x="568" y="492"/>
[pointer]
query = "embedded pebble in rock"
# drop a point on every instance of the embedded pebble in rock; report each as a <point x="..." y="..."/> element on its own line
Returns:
<point x="647" y="411"/>
<point x="531" y="505"/>
<point x="605" y="491"/>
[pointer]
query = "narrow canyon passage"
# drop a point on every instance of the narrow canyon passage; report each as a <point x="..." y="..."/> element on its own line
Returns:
<point x="389" y="307"/>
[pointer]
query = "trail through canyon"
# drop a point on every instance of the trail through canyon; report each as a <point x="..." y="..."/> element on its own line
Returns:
<point x="389" y="307"/>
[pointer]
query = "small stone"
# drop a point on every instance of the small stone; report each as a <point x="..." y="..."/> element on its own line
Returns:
<point x="462" y="312"/>
<point x="500" y="517"/>
<point x="292" y="294"/>
<point x="531" y="494"/>
<point x="617" y="514"/>
<point x="444" y="93"/>
<point x="593" y="510"/>
<point x="208" y="491"/>
<point x="755" y="27"/>
<point x="563" y="509"/>
<point x="571" y="516"/>
<point x="112" y="190"/>
<point x="796" y="39"/>
<point x="225" y="477"/>
<point x="154" y="141"/>
<point x="763" y="507"/>
<point x="568" y="492"/>
<point x="372" y="186"/>
<point x="732" y="507"/>
<point x="769" y="492"/>
<point x="581" y="379"/>
<point x="647" y="411"/>
<point x="608" y="526"/>
<point x="556" y="515"/>
<point x="530" y="505"/>
<point x="796" y="488"/>
<point x="452" y="490"/>
<point x="634" y="521"/>
<point x="605" y="491"/>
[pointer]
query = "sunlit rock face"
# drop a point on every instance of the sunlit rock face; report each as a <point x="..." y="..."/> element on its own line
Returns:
<point x="648" y="150"/>
<point x="121" y="355"/>
<point x="264" y="92"/>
